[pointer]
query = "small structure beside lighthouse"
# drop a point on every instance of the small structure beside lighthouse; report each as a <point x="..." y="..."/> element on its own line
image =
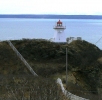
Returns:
<point x="59" y="35"/>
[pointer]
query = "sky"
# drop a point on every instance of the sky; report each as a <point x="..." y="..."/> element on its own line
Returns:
<point x="67" y="7"/>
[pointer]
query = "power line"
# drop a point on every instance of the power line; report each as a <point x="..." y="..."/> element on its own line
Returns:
<point x="98" y="40"/>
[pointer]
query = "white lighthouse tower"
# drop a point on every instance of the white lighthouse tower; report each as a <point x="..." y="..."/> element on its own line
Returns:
<point x="59" y="35"/>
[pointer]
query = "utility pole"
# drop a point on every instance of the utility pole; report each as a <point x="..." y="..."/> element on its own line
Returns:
<point x="66" y="69"/>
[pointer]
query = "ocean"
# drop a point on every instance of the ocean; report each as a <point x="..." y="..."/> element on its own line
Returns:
<point x="18" y="28"/>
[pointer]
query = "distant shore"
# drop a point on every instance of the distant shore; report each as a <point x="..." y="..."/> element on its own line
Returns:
<point x="45" y="16"/>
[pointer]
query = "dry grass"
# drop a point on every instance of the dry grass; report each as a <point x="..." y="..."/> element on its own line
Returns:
<point x="30" y="88"/>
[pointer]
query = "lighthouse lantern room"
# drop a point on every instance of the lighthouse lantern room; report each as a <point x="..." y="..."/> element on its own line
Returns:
<point x="59" y="35"/>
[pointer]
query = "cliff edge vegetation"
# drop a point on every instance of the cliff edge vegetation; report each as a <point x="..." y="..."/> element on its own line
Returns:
<point x="48" y="60"/>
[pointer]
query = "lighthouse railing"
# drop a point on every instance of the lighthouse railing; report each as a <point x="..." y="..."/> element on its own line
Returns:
<point x="63" y="27"/>
<point x="22" y="59"/>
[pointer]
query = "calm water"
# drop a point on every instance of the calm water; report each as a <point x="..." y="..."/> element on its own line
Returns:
<point x="89" y="30"/>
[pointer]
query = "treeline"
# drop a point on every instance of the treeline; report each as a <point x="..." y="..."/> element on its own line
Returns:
<point x="45" y="16"/>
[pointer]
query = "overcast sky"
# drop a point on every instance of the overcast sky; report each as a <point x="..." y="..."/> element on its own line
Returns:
<point x="88" y="7"/>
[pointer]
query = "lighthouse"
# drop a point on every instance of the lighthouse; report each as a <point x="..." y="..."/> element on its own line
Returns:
<point x="59" y="35"/>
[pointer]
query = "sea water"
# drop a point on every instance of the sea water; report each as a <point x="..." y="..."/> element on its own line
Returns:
<point x="18" y="28"/>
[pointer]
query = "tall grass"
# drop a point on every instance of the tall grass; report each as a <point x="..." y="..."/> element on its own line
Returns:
<point x="30" y="88"/>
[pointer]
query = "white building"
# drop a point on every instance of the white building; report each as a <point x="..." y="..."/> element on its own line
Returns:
<point x="70" y="39"/>
<point x="59" y="35"/>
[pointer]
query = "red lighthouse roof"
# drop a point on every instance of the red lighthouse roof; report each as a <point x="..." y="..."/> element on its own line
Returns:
<point x="59" y="25"/>
<point x="59" y="22"/>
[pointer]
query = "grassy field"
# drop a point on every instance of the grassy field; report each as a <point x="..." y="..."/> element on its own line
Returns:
<point x="49" y="62"/>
